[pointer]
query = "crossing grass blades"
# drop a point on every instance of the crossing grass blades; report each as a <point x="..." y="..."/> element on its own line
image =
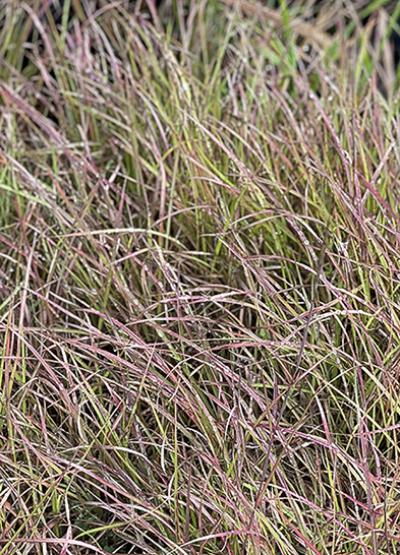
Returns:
<point x="199" y="278"/>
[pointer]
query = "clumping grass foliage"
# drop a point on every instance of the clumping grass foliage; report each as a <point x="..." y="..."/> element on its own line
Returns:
<point x="199" y="278"/>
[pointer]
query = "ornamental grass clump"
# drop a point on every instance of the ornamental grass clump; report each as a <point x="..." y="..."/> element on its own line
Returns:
<point x="199" y="278"/>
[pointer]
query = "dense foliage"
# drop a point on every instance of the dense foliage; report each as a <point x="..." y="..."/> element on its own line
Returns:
<point x="199" y="278"/>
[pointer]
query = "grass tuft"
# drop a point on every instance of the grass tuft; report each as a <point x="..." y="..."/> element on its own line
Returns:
<point x="199" y="278"/>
